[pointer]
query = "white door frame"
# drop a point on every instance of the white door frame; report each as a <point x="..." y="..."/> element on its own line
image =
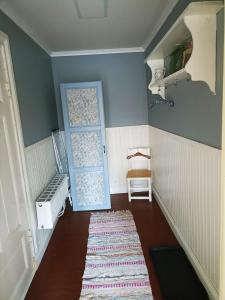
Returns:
<point x="18" y="128"/>
<point x="22" y="163"/>
<point x="222" y="206"/>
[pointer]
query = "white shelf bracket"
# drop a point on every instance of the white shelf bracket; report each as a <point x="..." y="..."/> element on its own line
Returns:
<point x="198" y="21"/>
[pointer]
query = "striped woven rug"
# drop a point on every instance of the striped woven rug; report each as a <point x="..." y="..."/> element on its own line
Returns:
<point x="115" y="266"/>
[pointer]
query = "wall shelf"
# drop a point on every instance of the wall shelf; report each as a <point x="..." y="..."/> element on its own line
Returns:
<point x="171" y="79"/>
<point x="198" y="21"/>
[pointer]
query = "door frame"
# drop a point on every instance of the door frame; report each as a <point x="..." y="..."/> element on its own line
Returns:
<point x="31" y="235"/>
<point x="222" y="204"/>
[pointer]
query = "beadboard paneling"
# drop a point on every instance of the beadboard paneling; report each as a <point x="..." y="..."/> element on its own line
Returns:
<point x="186" y="181"/>
<point x="119" y="139"/>
<point x="41" y="167"/>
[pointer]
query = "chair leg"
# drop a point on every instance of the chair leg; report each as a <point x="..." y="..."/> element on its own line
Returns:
<point x="129" y="191"/>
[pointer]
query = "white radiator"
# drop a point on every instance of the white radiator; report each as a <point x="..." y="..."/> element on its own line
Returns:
<point x="51" y="200"/>
<point x="41" y="168"/>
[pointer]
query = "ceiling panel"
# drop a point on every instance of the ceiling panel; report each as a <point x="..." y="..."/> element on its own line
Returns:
<point x="74" y="25"/>
<point x="91" y="9"/>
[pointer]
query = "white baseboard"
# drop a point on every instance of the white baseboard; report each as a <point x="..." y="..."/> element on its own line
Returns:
<point x="23" y="294"/>
<point x="36" y="263"/>
<point x="42" y="250"/>
<point x="118" y="190"/>
<point x="198" y="268"/>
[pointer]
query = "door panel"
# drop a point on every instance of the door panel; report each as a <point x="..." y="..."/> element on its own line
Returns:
<point x="90" y="188"/>
<point x="82" y="107"/>
<point x="8" y="190"/>
<point x="85" y="137"/>
<point x="15" y="252"/>
<point x="82" y="143"/>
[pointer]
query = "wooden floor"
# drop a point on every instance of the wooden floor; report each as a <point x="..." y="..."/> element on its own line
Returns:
<point x="59" y="276"/>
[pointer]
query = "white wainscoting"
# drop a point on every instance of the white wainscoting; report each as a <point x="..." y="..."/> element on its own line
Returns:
<point x="41" y="167"/>
<point x="119" y="139"/>
<point x="186" y="182"/>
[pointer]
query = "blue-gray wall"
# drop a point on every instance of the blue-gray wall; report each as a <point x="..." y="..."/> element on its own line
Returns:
<point x="197" y="114"/>
<point x="124" y="84"/>
<point x="34" y="83"/>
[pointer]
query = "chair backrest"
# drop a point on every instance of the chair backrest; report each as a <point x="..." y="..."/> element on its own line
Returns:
<point x="139" y="162"/>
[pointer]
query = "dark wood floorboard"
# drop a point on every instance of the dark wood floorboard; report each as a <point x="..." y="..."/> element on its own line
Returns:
<point x="60" y="273"/>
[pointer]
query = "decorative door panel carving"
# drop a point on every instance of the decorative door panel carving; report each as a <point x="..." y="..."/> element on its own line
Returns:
<point x="85" y="138"/>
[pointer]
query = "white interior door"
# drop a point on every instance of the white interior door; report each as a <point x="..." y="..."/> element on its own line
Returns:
<point x="15" y="251"/>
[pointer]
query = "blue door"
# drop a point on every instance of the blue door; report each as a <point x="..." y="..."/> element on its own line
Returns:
<point x="84" y="124"/>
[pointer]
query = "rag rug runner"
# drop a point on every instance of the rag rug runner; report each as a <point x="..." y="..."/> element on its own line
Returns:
<point x="115" y="266"/>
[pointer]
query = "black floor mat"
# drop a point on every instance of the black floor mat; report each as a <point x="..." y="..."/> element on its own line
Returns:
<point x="177" y="278"/>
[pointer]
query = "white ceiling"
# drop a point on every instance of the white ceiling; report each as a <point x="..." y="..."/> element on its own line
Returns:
<point x="77" y="25"/>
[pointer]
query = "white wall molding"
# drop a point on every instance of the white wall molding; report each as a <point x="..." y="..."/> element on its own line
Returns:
<point x="186" y="180"/>
<point x="38" y="144"/>
<point x="119" y="139"/>
<point x="27" y="29"/>
<point x="97" y="51"/>
<point x="20" y="23"/>
<point x="41" y="167"/>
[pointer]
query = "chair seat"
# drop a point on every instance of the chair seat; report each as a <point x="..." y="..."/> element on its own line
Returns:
<point x="139" y="173"/>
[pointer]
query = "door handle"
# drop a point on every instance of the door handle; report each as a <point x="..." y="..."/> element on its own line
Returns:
<point x="104" y="149"/>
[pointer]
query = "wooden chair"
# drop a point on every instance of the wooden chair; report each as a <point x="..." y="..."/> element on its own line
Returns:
<point x="139" y="173"/>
